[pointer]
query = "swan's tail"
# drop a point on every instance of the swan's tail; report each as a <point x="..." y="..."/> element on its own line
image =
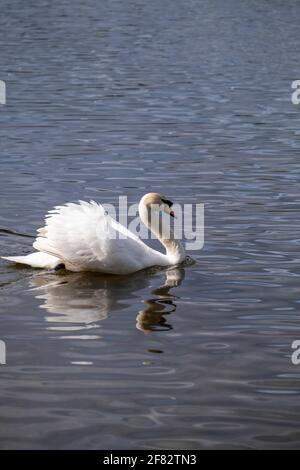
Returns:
<point x="35" y="260"/>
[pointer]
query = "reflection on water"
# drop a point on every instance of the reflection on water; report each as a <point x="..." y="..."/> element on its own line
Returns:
<point x="75" y="301"/>
<point x="152" y="318"/>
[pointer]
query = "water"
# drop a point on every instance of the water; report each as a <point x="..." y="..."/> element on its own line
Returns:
<point x="123" y="97"/>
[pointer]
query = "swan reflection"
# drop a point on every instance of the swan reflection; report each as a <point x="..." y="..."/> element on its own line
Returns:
<point x="77" y="301"/>
<point x="152" y="318"/>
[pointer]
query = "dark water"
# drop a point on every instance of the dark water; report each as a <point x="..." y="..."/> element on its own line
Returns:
<point x="106" y="98"/>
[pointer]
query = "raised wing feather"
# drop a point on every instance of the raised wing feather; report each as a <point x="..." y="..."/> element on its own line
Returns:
<point x="86" y="238"/>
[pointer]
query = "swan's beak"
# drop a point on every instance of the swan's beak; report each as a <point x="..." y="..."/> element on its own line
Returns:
<point x="168" y="204"/>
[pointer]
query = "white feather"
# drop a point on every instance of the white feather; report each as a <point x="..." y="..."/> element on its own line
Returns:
<point x="85" y="238"/>
<point x="35" y="260"/>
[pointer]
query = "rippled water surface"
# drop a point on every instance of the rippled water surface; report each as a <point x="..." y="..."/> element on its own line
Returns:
<point x="106" y="98"/>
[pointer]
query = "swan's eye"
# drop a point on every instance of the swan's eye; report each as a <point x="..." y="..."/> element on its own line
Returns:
<point x="166" y="201"/>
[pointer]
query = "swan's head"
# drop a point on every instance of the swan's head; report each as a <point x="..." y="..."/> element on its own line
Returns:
<point x="157" y="202"/>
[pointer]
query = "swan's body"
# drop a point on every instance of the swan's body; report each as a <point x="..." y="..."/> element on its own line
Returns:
<point x="83" y="237"/>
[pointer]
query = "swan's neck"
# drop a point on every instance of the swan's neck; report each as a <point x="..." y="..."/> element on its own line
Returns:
<point x="175" y="251"/>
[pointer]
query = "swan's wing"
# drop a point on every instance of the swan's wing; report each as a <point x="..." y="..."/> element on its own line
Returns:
<point x="85" y="237"/>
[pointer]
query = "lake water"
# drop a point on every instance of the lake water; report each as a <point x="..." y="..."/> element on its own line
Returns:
<point x="123" y="97"/>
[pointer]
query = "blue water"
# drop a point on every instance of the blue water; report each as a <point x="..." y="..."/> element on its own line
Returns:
<point x="122" y="97"/>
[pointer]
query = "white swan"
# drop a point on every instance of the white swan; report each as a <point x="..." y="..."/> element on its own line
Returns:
<point x="83" y="237"/>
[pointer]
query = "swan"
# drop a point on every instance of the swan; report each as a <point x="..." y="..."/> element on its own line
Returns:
<point x="82" y="236"/>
